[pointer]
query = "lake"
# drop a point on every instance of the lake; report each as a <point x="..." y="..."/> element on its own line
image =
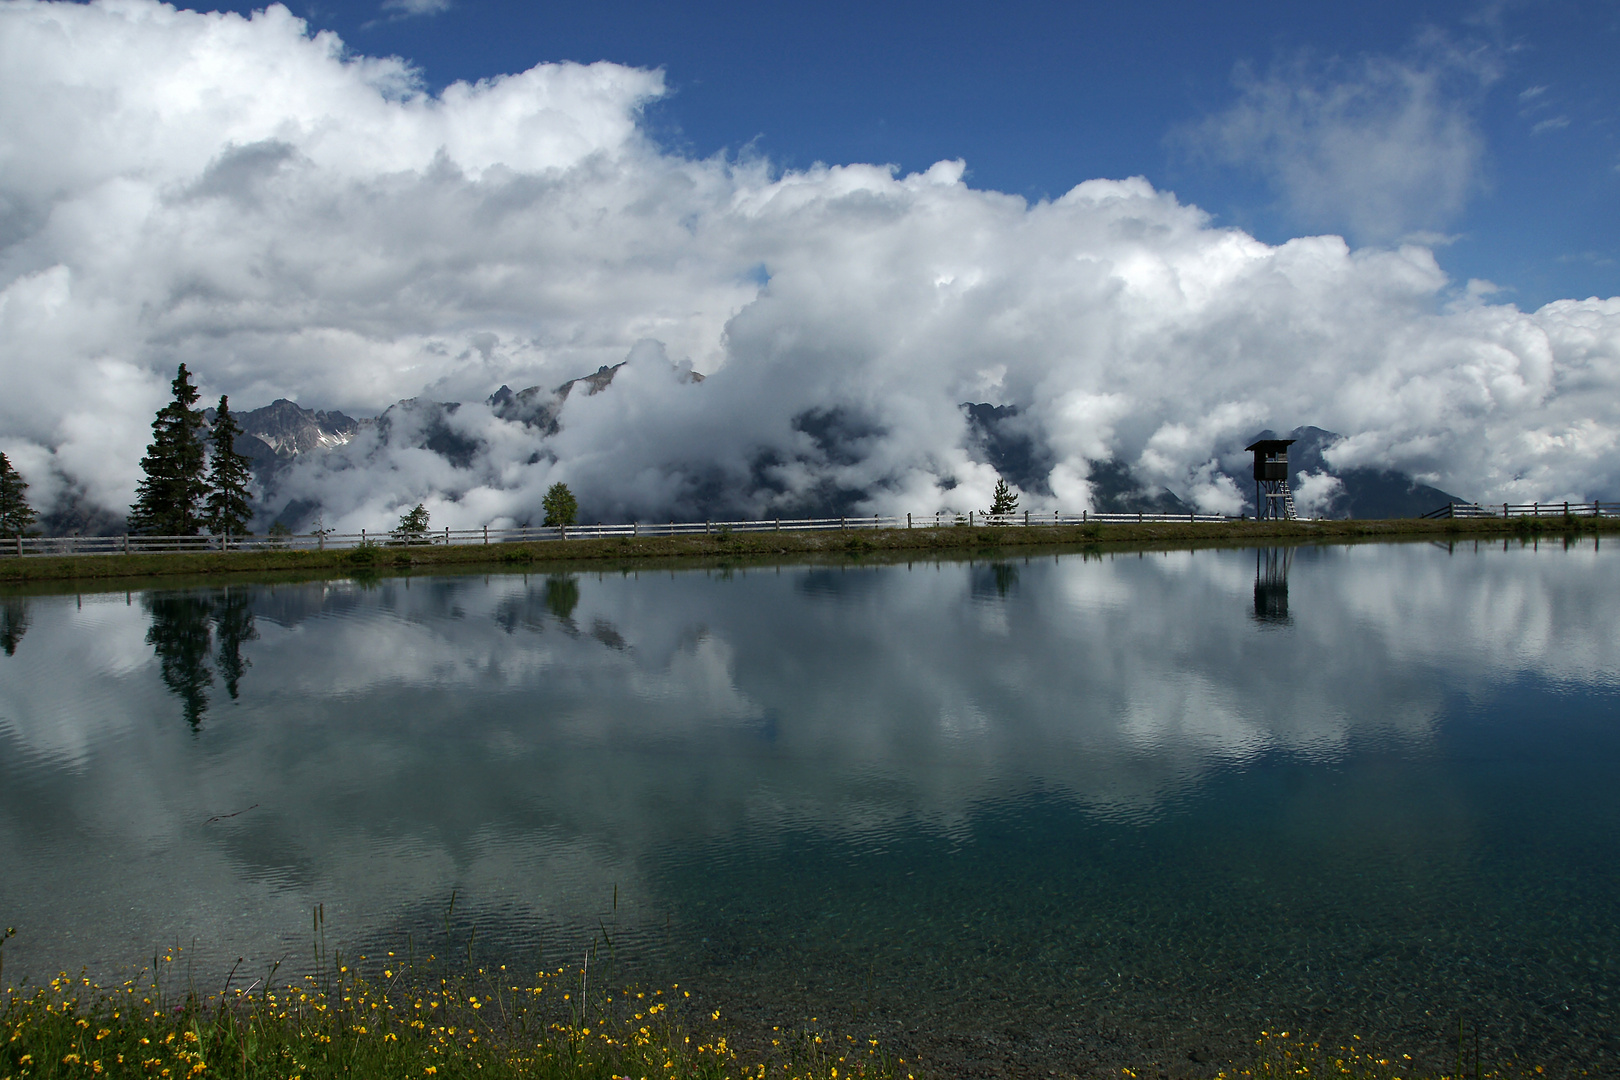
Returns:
<point x="1049" y="813"/>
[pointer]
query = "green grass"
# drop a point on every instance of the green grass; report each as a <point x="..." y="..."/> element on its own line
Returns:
<point x="723" y="545"/>
<point x="393" y="1025"/>
<point x="396" y="1023"/>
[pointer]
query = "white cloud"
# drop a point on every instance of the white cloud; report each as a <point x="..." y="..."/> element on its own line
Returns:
<point x="407" y="8"/>
<point x="1381" y="146"/>
<point x="1552" y="123"/>
<point x="293" y="221"/>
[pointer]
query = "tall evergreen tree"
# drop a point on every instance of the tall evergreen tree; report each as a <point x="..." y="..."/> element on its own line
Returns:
<point x="167" y="502"/>
<point x="228" y="510"/>
<point x="16" y="516"/>
<point x="1003" y="501"/>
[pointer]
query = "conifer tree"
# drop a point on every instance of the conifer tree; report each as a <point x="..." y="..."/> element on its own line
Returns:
<point x="167" y="502"/>
<point x="16" y="516"/>
<point x="228" y="509"/>
<point x="412" y="527"/>
<point x="1003" y="501"/>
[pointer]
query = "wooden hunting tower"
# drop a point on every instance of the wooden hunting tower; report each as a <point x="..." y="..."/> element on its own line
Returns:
<point x="1272" y="499"/>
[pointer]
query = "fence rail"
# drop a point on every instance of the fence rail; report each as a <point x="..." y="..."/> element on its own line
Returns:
<point x="322" y="541"/>
<point x="1540" y="509"/>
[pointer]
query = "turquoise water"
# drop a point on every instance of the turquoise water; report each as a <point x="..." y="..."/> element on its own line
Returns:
<point x="1042" y="814"/>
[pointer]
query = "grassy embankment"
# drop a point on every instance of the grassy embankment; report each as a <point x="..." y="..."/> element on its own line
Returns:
<point x="394" y="1023"/>
<point x="773" y="544"/>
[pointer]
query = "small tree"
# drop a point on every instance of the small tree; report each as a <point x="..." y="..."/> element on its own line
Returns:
<point x="166" y="502"/>
<point x="1003" y="501"/>
<point x="16" y="516"/>
<point x="412" y="527"/>
<point x="560" y="505"/>
<point x="228" y="510"/>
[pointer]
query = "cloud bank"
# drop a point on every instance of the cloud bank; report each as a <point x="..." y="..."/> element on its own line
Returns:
<point x="291" y="220"/>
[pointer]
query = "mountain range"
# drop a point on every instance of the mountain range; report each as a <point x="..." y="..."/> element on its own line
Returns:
<point x="282" y="434"/>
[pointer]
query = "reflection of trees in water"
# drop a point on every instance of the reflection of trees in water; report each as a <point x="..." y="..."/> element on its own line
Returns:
<point x="1271" y="584"/>
<point x="999" y="578"/>
<point x="13" y="623"/>
<point x="233" y="622"/>
<point x="562" y="596"/>
<point x="184" y="626"/>
<point x="181" y="636"/>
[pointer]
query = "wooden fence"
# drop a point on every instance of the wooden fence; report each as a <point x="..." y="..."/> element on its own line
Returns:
<point x="322" y="541"/>
<point x="1540" y="509"/>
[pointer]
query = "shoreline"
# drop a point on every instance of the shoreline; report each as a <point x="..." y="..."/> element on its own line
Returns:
<point x="697" y="549"/>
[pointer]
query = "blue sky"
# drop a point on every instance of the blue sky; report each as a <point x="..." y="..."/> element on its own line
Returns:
<point x="1037" y="97"/>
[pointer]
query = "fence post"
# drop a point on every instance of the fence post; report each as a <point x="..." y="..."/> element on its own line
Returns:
<point x="1026" y="519"/>
<point x="1566" y="508"/>
<point x="874" y="521"/>
<point x="126" y="543"/>
<point x="562" y="532"/>
<point x="908" y="519"/>
<point x="362" y="538"/>
<point x="447" y="536"/>
<point x="486" y="534"/>
<point x="970" y="519"/>
<point x="1084" y="514"/>
<point x="19" y="543"/>
<point x="840" y="522"/>
<point x="320" y="540"/>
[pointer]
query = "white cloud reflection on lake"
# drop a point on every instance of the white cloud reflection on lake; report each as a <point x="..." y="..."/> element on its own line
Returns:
<point x="530" y="748"/>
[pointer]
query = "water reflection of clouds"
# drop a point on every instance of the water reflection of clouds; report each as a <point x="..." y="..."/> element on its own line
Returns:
<point x="527" y="740"/>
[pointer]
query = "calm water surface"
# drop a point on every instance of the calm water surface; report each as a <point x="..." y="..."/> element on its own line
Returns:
<point x="1043" y="814"/>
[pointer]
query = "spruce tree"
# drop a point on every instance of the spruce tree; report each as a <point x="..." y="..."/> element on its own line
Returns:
<point x="228" y="509"/>
<point x="16" y="516"/>
<point x="167" y="502"/>
<point x="1003" y="501"/>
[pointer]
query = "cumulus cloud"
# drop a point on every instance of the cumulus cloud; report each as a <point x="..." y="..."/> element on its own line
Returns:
<point x="1382" y="146"/>
<point x="291" y="220"/>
